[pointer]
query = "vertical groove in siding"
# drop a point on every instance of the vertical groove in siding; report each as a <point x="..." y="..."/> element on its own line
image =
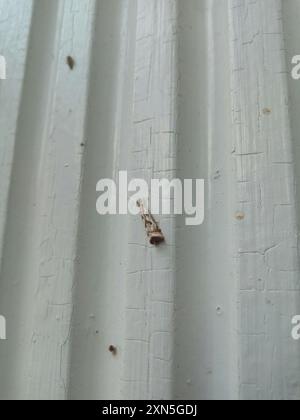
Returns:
<point x="60" y="173"/>
<point x="149" y="316"/>
<point x="40" y="239"/>
<point x="17" y="279"/>
<point x="13" y="44"/>
<point x="266" y="247"/>
<point x="205" y="289"/>
<point x="291" y="16"/>
<point x="102" y="242"/>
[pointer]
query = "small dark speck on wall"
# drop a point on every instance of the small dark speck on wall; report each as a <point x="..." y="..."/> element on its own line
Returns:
<point x="71" y="62"/>
<point x="113" y="350"/>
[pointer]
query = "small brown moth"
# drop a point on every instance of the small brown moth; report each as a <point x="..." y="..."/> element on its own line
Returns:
<point x="154" y="233"/>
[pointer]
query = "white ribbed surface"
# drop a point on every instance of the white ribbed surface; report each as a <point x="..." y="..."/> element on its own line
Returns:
<point x="160" y="88"/>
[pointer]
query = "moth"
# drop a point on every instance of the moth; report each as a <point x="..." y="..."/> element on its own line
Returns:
<point x="153" y="231"/>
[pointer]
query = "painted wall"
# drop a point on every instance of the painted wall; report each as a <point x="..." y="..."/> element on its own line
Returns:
<point x="160" y="88"/>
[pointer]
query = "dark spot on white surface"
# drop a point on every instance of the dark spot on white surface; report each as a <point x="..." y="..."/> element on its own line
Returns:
<point x="113" y="350"/>
<point x="219" y="310"/>
<point x="71" y="62"/>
